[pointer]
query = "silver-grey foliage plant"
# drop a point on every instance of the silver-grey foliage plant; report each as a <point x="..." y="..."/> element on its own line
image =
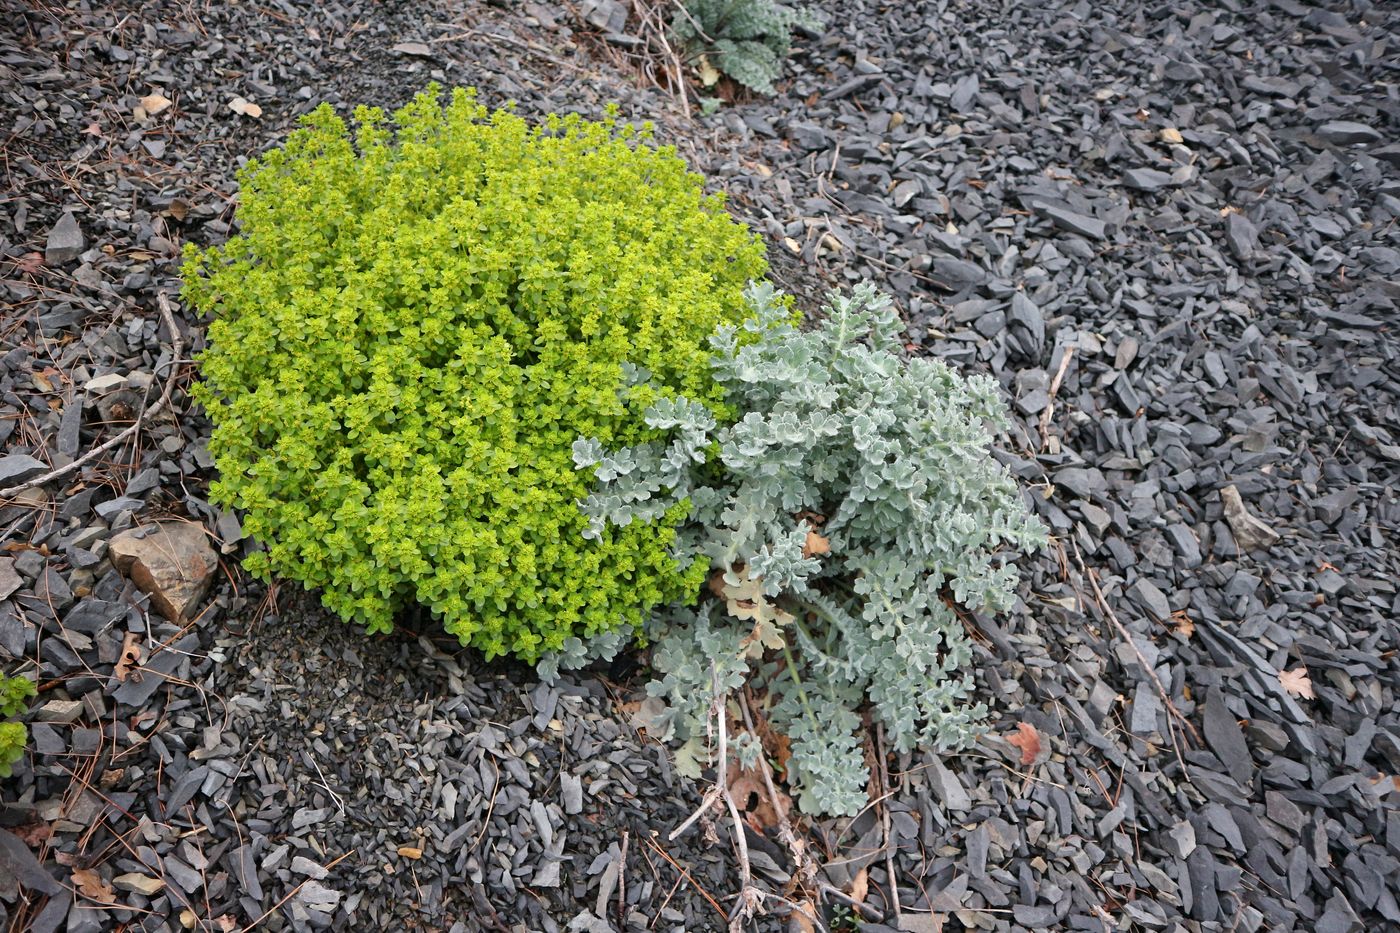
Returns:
<point x="853" y="501"/>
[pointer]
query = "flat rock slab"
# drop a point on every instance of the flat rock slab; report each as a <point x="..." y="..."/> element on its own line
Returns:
<point x="65" y="242"/>
<point x="172" y="562"/>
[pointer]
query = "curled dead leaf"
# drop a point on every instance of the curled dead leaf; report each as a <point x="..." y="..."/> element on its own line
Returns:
<point x="129" y="661"/>
<point x="245" y="107"/>
<point x="33" y="834"/>
<point x="860" y="886"/>
<point x="803" y="918"/>
<point x="750" y="793"/>
<point x="90" y="885"/>
<point x="708" y="73"/>
<point x="816" y="545"/>
<point x="1027" y="739"/>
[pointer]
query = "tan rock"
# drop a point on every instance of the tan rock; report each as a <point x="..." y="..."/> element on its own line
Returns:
<point x="1250" y="532"/>
<point x="172" y="562"/>
<point x="138" y="884"/>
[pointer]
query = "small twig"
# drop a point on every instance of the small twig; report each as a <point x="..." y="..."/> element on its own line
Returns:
<point x="706" y="802"/>
<point x="1049" y="411"/>
<point x="622" y="881"/>
<point x="885" y="821"/>
<point x="340" y="804"/>
<point x="177" y="345"/>
<point x="798" y="849"/>
<point x="1137" y="652"/>
<point x="685" y="873"/>
<point x="750" y="898"/>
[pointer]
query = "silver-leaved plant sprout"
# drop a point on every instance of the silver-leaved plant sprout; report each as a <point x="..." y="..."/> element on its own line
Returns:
<point x="848" y="509"/>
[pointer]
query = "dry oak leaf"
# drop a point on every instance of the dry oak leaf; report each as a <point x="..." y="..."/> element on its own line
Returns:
<point x="802" y="916"/>
<point x="91" y="885"/>
<point x="1027" y="739"/>
<point x="1297" y="683"/>
<point x="750" y="793"/>
<point x="816" y="545"/>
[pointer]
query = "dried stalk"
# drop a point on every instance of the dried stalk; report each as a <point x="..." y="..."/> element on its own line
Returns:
<point x="885" y="821"/>
<point x="1142" y="661"/>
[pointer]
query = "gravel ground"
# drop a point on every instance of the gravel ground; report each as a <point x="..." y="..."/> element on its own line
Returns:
<point x="1169" y="232"/>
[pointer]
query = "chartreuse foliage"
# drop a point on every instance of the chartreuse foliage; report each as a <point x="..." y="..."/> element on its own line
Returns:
<point x="416" y="322"/>
<point x="14" y="694"/>
<point x="849" y="505"/>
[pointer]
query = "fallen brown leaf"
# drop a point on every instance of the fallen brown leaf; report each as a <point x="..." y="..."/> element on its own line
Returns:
<point x="1297" y="683"/>
<point x="750" y="794"/>
<point x="245" y="107"/>
<point x="816" y="545"/>
<point x="860" y="886"/>
<point x="1027" y="739"/>
<point x="129" y="661"/>
<point x="777" y="746"/>
<point x="801" y="917"/>
<point x="91" y="885"/>
<point x="33" y="834"/>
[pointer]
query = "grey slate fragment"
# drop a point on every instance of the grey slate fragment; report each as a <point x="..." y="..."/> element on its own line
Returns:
<point x="17" y="468"/>
<point x="307" y="816"/>
<point x="1348" y="132"/>
<point x="956" y="274"/>
<point x="1200" y="866"/>
<point x="1226" y="739"/>
<point x="184" y="790"/>
<point x="1027" y="325"/>
<point x="1146" y="709"/>
<point x="53" y="914"/>
<point x="1073" y="221"/>
<point x="1146" y="179"/>
<point x="245" y="871"/>
<point x="69" y="429"/>
<point x="9" y="579"/>
<point x="302" y="865"/>
<point x="1183" y="839"/>
<point x="1152" y="599"/>
<point x="1338" y="917"/>
<point x="1241" y="235"/>
<point x="947" y="785"/>
<point x="113" y="507"/>
<point x="571" y="789"/>
<point x="65" y="242"/>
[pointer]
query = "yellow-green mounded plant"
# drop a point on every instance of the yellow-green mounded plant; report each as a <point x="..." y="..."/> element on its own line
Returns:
<point x="14" y="694"/>
<point x="414" y="325"/>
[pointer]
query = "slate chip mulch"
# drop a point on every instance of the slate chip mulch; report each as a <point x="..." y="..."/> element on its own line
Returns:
<point x="1170" y="232"/>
